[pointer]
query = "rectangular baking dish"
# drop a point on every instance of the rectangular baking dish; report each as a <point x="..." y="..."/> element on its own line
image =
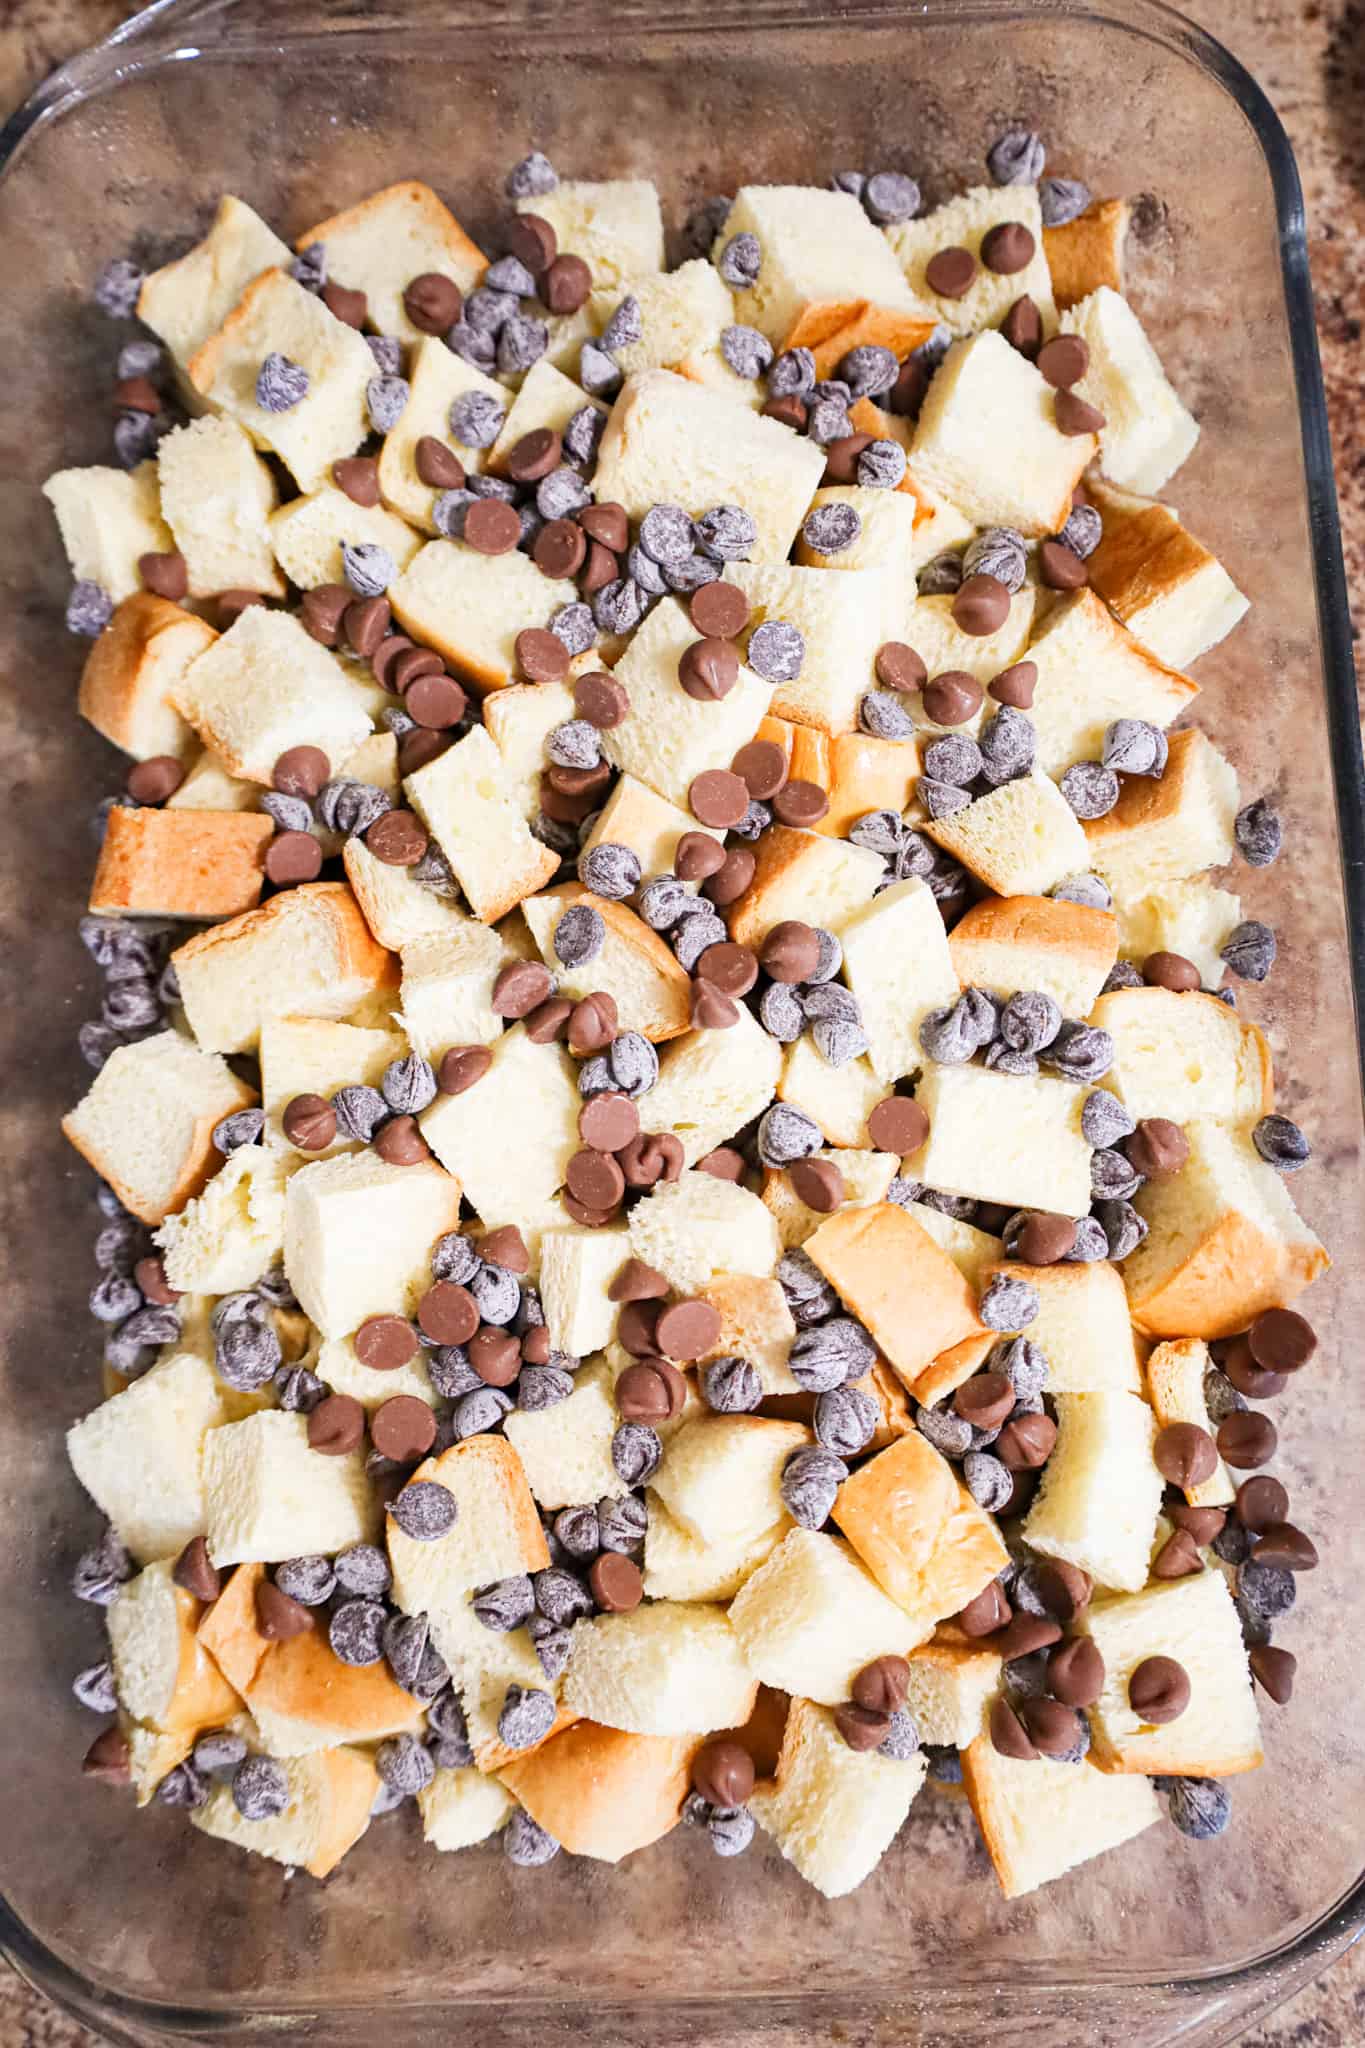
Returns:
<point x="146" y="1930"/>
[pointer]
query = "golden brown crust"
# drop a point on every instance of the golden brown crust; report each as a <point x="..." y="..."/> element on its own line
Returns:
<point x="674" y="993"/>
<point x="952" y="1367"/>
<point x="358" y="952"/>
<point x="207" y="360"/>
<point x="1145" y="555"/>
<point x="901" y="1285"/>
<point x="1039" y="923"/>
<point x="829" y="328"/>
<point x="124" y="660"/>
<point x="1224" y="1283"/>
<point x="602" y="1792"/>
<point x="1145" y="799"/>
<point x="352" y="1782"/>
<point x="1174" y="1376"/>
<point x="1087" y="252"/>
<point x="492" y="1755"/>
<point x="203" y="1697"/>
<point x="156" y="863"/>
<point x="519" y="1507"/>
<point x="918" y="1531"/>
<point x="424" y="201"/>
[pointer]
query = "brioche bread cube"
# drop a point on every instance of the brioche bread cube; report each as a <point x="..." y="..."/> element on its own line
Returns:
<point x="898" y="964"/>
<point x="708" y="366"/>
<point x="696" y="1227"/>
<point x="447" y="992"/>
<point x="614" y="224"/>
<point x="755" y="1324"/>
<point x="146" y="1121"/>
<point x="186" y="301"/>
<point x="1224" y="1242"/>
<point x="721" y="1475"/>
<point x="467" y="801"/>
<point x="566" y="1450"/>
<point x="436" y="378"/>
<point x="812" y="1615"/>
<point x="1171" y="593"/>
<point x="1147" y="432"/>
<point x="1185" y="1055"/>
<point x="138" y="1455"/>
<point x="667" y="738"/>
<point x="1092" y="670"/>
<point x="305" y="952"/>
<point x="831" y="327"/>
<point x="157" y="863"/>
<point x="461" y="1807"/>
<point x="107" y="519"/>
<point x="132" y="672"/>
<point x="833" y="1811"/>
<point x="330" y="1797"/>
<point x="682" y="315"/>
<point x="964" y="223"/>
<point x="866" y="1175"/>
<point x="315" y="1056"/>
<point x="805" y="876"/>
<point x="1162" y="830"/>
<point x="681" y="1566"/>
<point x="209" y="786"/>
<point x="471" y="607"/>
<point x="857" y="772"/>
<point x="269" y="1495"/>
<point x="1101" y="1491"/>
<point x="927" y="623"/>
<point x="397" y="910"/>
<point x="971" y="1250"/>
<point x="635" y="966"/>
<point x="946" y="1373"/>
<point x="165" y="1678"/>
<point x="919" y="1532"/>
<point x="265" y="686"/>
<point x="1191" y="918"/>
<point x="496" y="1533"/>
<point x="1082" y="1325"/>
<point x="1041" y="1818"/>
<point x="670" y="441"/>
<point x="672" y="1668"/>
<point x="336" y="1362"/>
<point x="843" y="620"/>
<point x="816" y="246"/>
<point x="1020" y="839"/>
<point x="382" y="243"/>
<point x="217" y="495"/>
<point x="903" y="1287"/>
<point x="839" y="1098"/>
<point x="951" y="1678"/>
<point x="276" y="316"/>
<point x="1087" y="252"/>
<point x="988" y="441"/>
<point x="577" y="1267"/>
<point x="1063" y="950"/>
<point x="1005" y="1138"/>
<point x="712" y="1083"/>
<point x="601" y="1792"/>
<point x="633" y="815"/>
<point x="1175" y="1387"/>
<point x="510" y="1136"/>
<point x="308" y="534"/>
<point x="886" y="530"/>
<point x="358" y="1236"/>
<point x="1195" y="1621"/>
<point x="232" y="1233"/>
<point x="547" y="399"/>
<point x="520" y="720"/>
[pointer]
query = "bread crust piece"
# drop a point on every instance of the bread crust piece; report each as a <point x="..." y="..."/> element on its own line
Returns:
<point x="602" y="1792"/>
<point x="795" y="867"/>
<point x="1042" y="1818"/>
<point x="1225" y="1281"/>
<point x="221" y="1093"/>
<point x="668" y="1012"/>
<point x="201" y="1696"/>
<point x="409" y="213"/>
<point x="336" y="1786"/>
<point x="889" y="1273"/>
<point x="156" y="863"/>
<point x="1175" y="1386"/>
<point x="829" y="328"/>
<point x="833" y="1811"/>
<point x="1169" y="590"/>
<point x="130" y="670"/>
<point x="1087" y="252"/>
<point x="918" y="1531"/>
<point x="1062" y="946"/>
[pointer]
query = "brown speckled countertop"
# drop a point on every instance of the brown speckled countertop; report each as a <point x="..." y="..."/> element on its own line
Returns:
<point x="1310" y="57"/>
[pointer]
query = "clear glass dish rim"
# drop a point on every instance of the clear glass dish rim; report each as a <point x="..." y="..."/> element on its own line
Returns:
<point x="178" y="31"/>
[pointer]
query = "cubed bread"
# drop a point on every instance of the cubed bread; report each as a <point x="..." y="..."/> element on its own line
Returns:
<point x="108" y="519"/>
<point x="1194" y="1621"/>
<point x="1191" y="918"/>
<point x="1224" y="1241"/>
<point x="315" y="1056"/>
<point x="447" y="992"/>
<point x="634" y="965"/>
<point x="987" y="439"/>
<point x="496" y="1533"/>
<point x="1170" y="592"/>
<point x="712" y="1083"/>
<point x="381" y="244"/>
<point x="830" y="328"/>
<point x="509" y="1137"/>
<point x="886" y="529"/>
<point x="520" y="720"/>
<point x="269" y="1495"/>
<point x="721" y="1477"/>
<point x="602" y="1792"/>
<point x="1082" y="1325"/>
<point x="708" y="366"/>
<point x="1041" y="1818"/>
<point x="157" y="863"/>
<point x="1185" y="1055"/>
<point x="842" y="621"/>
<point x="397" y="910"/>
<point x="1005" y="1138"/>
<point x="633" y="815"/>
<point x="232" y="1233"/>
<point x="812" y="1615"/>
<point x="209" y="786"/>
<point x="755" y="1324"/>
<point x="138" y="1455"/>
<point x="308" y="535"/>
<point x="547" y="400"/>
<point x="436" y="378"/>
<point x="614" y="224"/>
<point x="577" y="1267"/>
<point x="467" y="801"/>
<point x="489" y="1662"/>
<point x="265" y="686"/>
<point x="682" y="315"/>
<point x="928" y="625"/>
<point x="890" y="1274"/>
<point x="1060" y="949"/>
<point x="816" y="247"/>
<point x="1161" y="830"/>
<point x="1022" y="838"/>
<point x="671" y="1668"/>
<point x="857" y="772"/>
<point x="1101" y="1491"/>
<point x="305" y="952"/>
<point x="833" y="1811"/>
<point x="898" y="964"/>
<point x="217" y="495"/>
<point x="866" y="1176"/>
<point x="667" y="738"/>
<point x="696" y="1227"/>
<point x="330" y="1797"/>
<point x="971" y="1250"/>
<point x="566" y="1450"/>
<point x="471" y="607"/>
<point x="839" y="1098"/>
<point x="461" y="1807"/>
<point x="1147" y="431"/>
<point x="804" y="876"/>
<point x="186" y="301"/>
<point x="951" y="1678"/>
<point x="133" y="670"/>
<point x="164" y="1676"/>
<point x="1175" y="1387"/>
<point x="681" y="1566"/>
<point x="964" y="223"/>
<point x="919" y="1532"/>
<point x="946" y="1373"/>
<point x="671" y="441"/>
<point x="358" y="1236"/>
<point x="1091" y="671"/>
<point x="146" y="1121"/>
<point x="276" y="316"/>
<point x="1087" y="252"/>
<point x="337" y="1363"/>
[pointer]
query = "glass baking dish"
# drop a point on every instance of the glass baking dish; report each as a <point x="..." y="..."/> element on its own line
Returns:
<point x="138" y="1924"/>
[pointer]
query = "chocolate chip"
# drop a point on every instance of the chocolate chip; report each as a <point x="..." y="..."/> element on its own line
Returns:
<point x="811" y="1479"/>
<point x="384" y="1343"/>
<point x="776" y="651"/>
<point x="950" y="272"/>
<point x="708" y="669"/>
<point x="280" y="384"/>
<point x="740" y="261"/>
<point x="1074" y="416"/>
<point x="1063" y="361"/>
<point x="1026" y="1442"/>
<point x="424" y="1510"/>
<point x="1259" y="833"/>
<point x="461" y="1067"/>
<point x="616" y="1583"/>
<point x="1159" y="1690"/>
<point x="1008" y="1735"/>
<point x="1062" y="200"/>
<point x="1008" y="1304"/>
<point x="1281" y="1341"/>
<point x="1247" y="1440"/>
<point x="1022" y="328"/>
<point x="336" y="1426"/>
<point x="1170" y="971"/>
<point x="1273" y="1671"/>
<point x="1158" y="1148"/>
<point x="897" y="1124"/>
<point x="636" y="1453"/>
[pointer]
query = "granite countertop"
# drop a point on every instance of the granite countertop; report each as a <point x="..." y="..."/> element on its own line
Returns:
<point x="1310" y="57"/>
